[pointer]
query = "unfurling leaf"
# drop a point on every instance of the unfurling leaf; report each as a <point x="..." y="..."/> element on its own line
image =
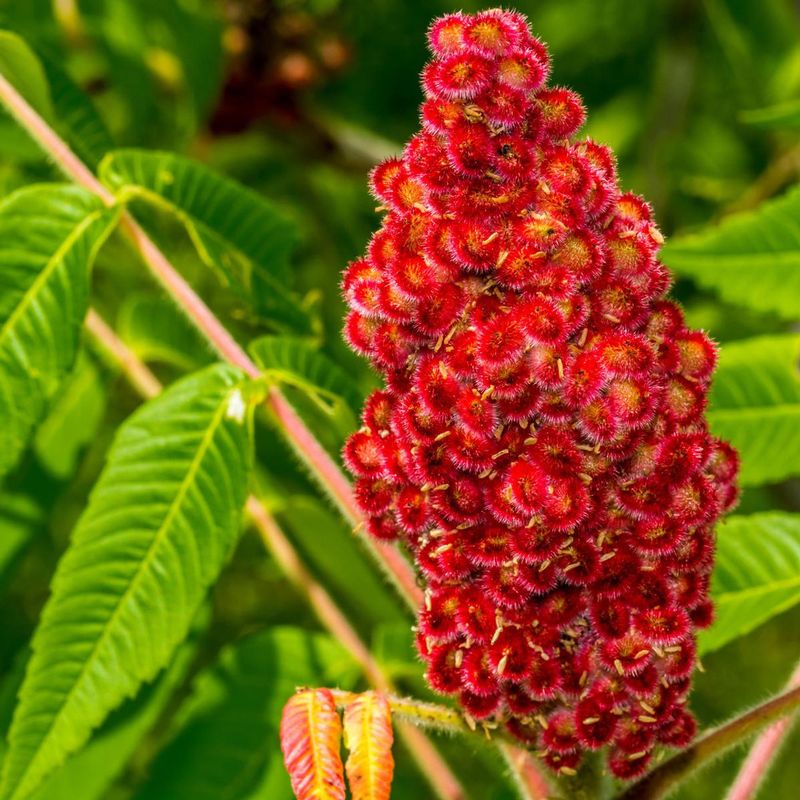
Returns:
<point x="368" y="735"/>
<point x="310" y="736"/>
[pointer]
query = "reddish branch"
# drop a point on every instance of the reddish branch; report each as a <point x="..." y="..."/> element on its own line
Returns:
<point x="763" y="753"/>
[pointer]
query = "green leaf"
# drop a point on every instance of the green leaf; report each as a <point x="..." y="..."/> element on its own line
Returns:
<point x="157" y="331"/>
<point x="298" y="363"/>
<point x="49" y="235"/>
<point x="328" y="545"/>
<point x="228" y="747"/>
<point x="49" y="89"/>
<point x="100" y="763"/>
<point x="752" y="258"/>
<point x="20" y="66"/>
<point x="161" y="522"/>
<point x="782" y="115"/>
<point x="757" y="574"/>
<point x="755" y="404"/>
<point x="73" y="420"/>
<point x="75" y="115"/>
<point x="20" y="520"/>
<point x="244" y="238"/>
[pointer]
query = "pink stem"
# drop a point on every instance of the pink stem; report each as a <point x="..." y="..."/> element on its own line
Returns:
<point x="51" y="142"/>
<point x="531" y="781"/>
<point x="138" y="375"/>
<point x="763" y="752"/>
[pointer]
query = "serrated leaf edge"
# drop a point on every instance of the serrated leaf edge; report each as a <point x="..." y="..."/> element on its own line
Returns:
<point x="219" y="416"/>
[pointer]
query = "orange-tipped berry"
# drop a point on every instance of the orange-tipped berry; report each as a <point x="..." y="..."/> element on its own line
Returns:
<point x="540" y="445"/>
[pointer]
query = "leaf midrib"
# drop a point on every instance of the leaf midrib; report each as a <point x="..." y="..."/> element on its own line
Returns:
<point x="367" y="740"/>
<point x="319" y="772"/>
<point x="51" y="266"/>
<point x="689" y="259"/>
<point x="761" y="589"/>
<point x="783" y="409"/>
<point x="205" y="443"/>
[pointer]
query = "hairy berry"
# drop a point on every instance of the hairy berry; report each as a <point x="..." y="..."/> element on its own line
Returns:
<point x="540" y="445"/>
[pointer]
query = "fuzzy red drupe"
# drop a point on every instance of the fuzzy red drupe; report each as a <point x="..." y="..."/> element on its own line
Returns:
<point x="540" y="445"/>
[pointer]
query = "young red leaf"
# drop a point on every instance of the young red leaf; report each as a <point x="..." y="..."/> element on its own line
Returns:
<point x="310" y="736"/>
<point x="368" y="736"/>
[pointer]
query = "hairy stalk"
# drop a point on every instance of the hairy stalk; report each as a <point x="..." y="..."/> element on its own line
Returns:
<point x="328" y="474"/>
<point x="426" y="715"/>
<point x="529" y="779"/>
<point x="666" y="778"/>
<point x="763" y="752"/>
<point x="427" y="757"/>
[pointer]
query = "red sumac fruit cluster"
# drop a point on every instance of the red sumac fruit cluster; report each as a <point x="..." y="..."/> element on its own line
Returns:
<point x="539" y="445"/>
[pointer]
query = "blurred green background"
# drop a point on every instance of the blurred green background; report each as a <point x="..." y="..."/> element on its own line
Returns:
<point x="297" y="99"/>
